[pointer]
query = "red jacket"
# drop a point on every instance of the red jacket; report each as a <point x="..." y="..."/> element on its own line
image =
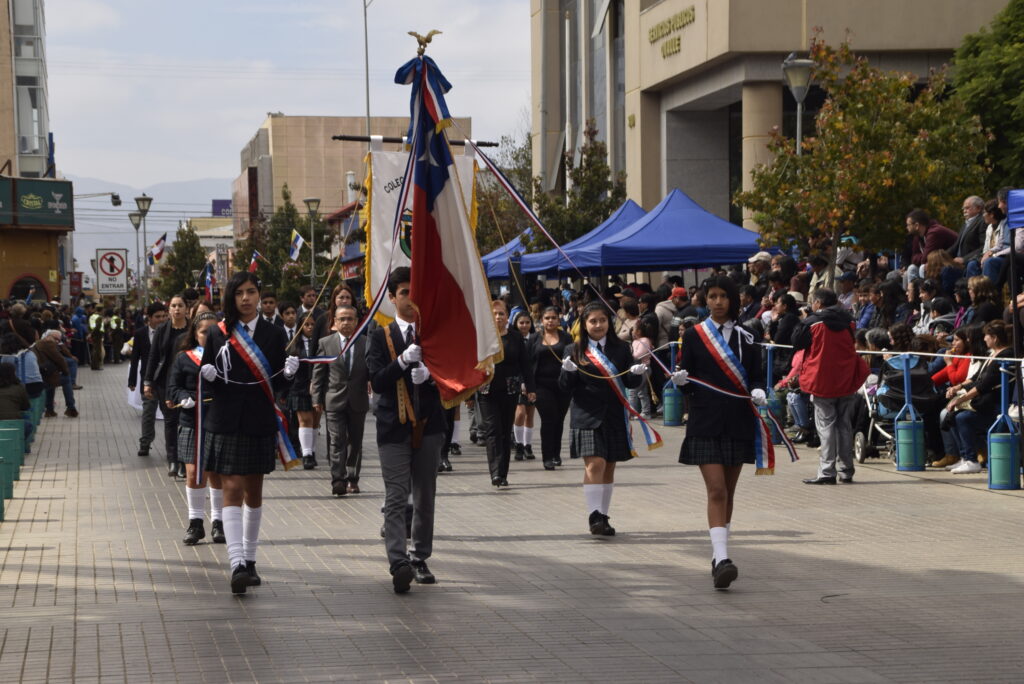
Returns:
<point x="954" y="373"/>
<point x="831" y="367"/>
<point x="936" y="236"/>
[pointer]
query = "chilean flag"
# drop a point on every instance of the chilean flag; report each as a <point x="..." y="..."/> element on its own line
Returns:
<point x="210" y="282"/>
<point x="158" y="248"/>
<point x="253" y="264"/>
<point x="456" y="327"/>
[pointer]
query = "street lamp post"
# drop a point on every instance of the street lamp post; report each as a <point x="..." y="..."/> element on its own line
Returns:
<point x="136" y="219"/>
<point x="797" y="73"/>
<point x="143" y="203"/>
<point x="312" y="204"/>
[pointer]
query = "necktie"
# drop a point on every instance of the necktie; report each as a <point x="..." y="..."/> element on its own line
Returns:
<point x="346" y="359"/>
<point x="409" y="336"/>
<point x="731" y="341"/>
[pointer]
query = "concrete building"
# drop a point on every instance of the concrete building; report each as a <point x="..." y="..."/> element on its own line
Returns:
<point x="686" y="92"/>
<point x="36" y="216"/>
<point x="298" y="151"/>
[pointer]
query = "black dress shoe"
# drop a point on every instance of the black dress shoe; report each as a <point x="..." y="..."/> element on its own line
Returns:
<point x="724" y="574"/>
<point x="240" y="579"/>
<point x="519" y="452"/>
<point x="172" y="468"/>
<point x="423" y="574"/>
<point x="444" y="466"/>
<point x="254" y="579"/>
<point x="496" y="481"/>
<point x="455" y="449"/>
<point x="472" y="437"/>
<point x="340" y="490"/>
<point x="180" y="471"/>
<point x="599" y="525"/>
<point x="195" y="532"/>
<point x="813" y="441"/>
<point x="308" y="463"/>
<point x="821" y="481"/>
<point x="799" y="437"/>
<point x="504" y="482"/>
<point x="353" y="488"/>
<point x="143" y="451"/>
<point x="217" y="532"/>
<point x="846" y="480"/>
<point x="529" y="452"/>
<point x="401" y="577"/>
<point x="549" y="465"/>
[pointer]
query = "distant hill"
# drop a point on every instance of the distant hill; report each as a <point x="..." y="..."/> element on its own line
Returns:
<point x="98" y="225"/>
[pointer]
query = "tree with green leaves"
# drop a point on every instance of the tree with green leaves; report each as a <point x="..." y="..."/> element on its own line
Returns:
<point x="882" y="147"/>
<point x="183" y="257"/>
<point x="499" y="219"/>
<point x="989" y="76"/>
<point x="272" y="239"/>
<point x="593" y="193"/>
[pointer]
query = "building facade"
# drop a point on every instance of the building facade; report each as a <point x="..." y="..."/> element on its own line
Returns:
<point x="36" y="215"/>
<point x="686" y="92"/>
<point x="297" y="151"/>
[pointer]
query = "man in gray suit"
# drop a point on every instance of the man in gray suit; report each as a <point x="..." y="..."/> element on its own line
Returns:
<point x="341" y="390"/>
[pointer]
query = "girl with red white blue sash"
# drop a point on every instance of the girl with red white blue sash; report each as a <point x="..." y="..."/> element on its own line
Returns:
<point x="723" y="430"/>
<point x="243" y="427"/>
<point x="592" y="371"/>
<point x="182" y="387"/>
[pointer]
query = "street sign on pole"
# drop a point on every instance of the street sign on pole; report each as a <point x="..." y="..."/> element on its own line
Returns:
<point x="111" y="271"/>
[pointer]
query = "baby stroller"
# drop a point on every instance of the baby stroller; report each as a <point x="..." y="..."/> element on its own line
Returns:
<point x="882" y="396"/>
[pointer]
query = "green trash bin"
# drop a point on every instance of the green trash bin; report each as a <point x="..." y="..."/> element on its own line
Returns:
<point x="3" y="487"/>
<point x="1003" y="460"/>
<point x="909" y="445"/>
<point x="18" y="428"/>
<point x="6" y="468"/>
<point x="10" y="448"/>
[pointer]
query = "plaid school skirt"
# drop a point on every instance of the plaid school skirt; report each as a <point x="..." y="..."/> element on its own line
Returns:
<point x="609" y="441"/>
<point x="299" y="401"/>
<point x="723" y="450"/>
<point x="239" y="454"/>
<point x="186" y="444"/>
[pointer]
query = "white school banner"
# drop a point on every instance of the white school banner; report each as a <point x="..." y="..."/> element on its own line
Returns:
<point x="386" y="172"/>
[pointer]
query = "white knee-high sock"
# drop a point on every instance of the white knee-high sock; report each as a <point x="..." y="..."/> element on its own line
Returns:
<point x="592" y="495"/>
<point x="196" y="502"/>
<point x="251" y="531"/>
<point x="527" y="435"/>
<point x="307" y="440"/>
<point x="606" y="497"/>
<point x="456" y="430"/>
<point x="233" y="534"/>
<point x="719" y="543"/>
<point x="517" y="431"/>
<point x="216" y="503"/>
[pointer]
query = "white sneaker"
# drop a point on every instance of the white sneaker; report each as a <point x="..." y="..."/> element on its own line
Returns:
<point x="956" y="465"/>
<point x="967" y="468"/>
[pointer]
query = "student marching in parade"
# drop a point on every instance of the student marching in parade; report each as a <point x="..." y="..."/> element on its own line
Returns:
<point x="181" y="389"/>
<point x="243" y="430"/>
<point x="496" y="400"/>
<point x="722" y="433"/>
<point x="546" y="347"/>
<point x="522" y="428"/>
<point x="592" y="371"/>
<point x="163" y="348"/>
<point x="300" y="401"/>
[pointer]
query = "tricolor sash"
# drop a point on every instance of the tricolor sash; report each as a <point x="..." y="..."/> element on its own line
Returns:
<point x="610" y="373"/>
<point x="730" y="365"/>
<point x="259" y="366"/>
<point x="196" y="356"/>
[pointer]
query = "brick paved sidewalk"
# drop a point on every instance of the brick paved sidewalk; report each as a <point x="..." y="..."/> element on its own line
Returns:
<point x="896" y="578"/>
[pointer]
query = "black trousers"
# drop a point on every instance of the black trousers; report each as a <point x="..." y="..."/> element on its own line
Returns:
<point x="552" y="405"/>
<point x="170" y="424"/>
<point x="498" y="412"/>
<point x="345" y="445"/>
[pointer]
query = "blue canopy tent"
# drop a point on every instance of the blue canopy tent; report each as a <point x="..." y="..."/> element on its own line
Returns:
<point x="677" y="233"/>
<point x="496" y="262"/>
<point x="552" y="260"/>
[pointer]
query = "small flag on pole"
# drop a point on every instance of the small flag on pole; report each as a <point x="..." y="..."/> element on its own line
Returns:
<point x="297" y="243"/>
<point x="210" y="281"/>
<point x="252" y="262"/>
<point x="158" y="248"/>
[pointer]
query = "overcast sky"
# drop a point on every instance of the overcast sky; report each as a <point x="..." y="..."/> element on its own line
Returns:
<point x="144" y="92"/>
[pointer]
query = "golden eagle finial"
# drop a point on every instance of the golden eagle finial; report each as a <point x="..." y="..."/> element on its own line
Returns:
<point x="423" y="41"/>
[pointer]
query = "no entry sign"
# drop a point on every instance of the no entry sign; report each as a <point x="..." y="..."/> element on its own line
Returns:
<point x="111" y="271"/>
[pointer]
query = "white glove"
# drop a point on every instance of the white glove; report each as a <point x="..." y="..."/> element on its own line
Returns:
<point x="187" y="403"/>
<point x="412" y="354"/>
<point x="569" y="365"/>
<point x="420" y="374"/>
<point x="291" y="366"/>
<point x="208" y="371"/>
<point x="759" y="397"/>
<point x="680" y="377"/>
<point x="638" y="369"/>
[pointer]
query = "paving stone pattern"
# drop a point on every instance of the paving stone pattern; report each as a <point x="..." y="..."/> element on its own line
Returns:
<point x="900" y="577"/>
